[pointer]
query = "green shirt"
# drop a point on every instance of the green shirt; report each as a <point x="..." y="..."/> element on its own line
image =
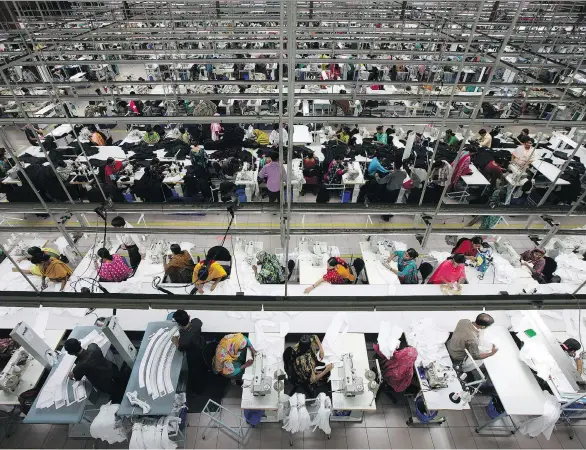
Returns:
<point x="151" y="138"/>
<point x="453" y="141"/>
<point x="381" y="137"/>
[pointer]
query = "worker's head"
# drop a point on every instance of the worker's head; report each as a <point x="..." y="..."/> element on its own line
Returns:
<point x="148" y="129"/>
<point x="155" y="162"/>
<point x="410" y="254"/>
<point x="203" y="273"/>
<point x="104" y="254"/>
<point x="484" y="320"/>
<point x="275" y="126"/>
<point x="118" y="222"/>
<point x="527" y="144"/>
<point x="398" y="164"/>
<point x="176" y="249"/>
<point x="181" y="317"/>
<point x="2" y="153"/>
<point x="40" y="258"/>
<point x="457" y="259"/>
<point x="571" y="346"/>
<point x="273" y="156"/>
<point x="379" y="129"/>
<point x="309" y="155"/>
<point x="92" y="128"/>
<point x="477" y="242"/>
<point x="34" y="251"/>
<point x="332" y="262"/>
<point x="346" y="130"/>
<point x="181" y="130"/>
<point x="449" y="132"/>
<point x="304" y="344"/>
<point x="72" y="346"/>
<point x="482" y="132"/>
<point x="538" y="253"/>
<point x="525" y="132"/>
<point x="339" y="158"/>
<point x="60" y="163"/>
<point x="110" y="162"/>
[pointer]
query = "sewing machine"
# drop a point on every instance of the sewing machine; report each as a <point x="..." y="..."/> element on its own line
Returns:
<point x="261" y="384"/>
<point x="351" y="384"/>
<point x="157" y="251"/>
<point x="437" y="375"/>
<point x="10" y="376"/>
<point x="320" y="248"/>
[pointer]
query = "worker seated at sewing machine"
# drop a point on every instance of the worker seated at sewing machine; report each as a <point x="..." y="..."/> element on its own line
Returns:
<point x="271" y="271"/>
<point x="214" y="268"/>
<point x="338" y="272"/>
<point x="111" y="267"/>
<point x="303" y="364"/>
<point x="230" y="358"/>
<point x="37" y="252"/>
<point x="179" y="266"/>
<point x="398" y="370"/>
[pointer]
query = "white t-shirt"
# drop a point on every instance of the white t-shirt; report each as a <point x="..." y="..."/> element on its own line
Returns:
<point x="523" y="156"/>
<point x="274" y="137"/>
<point x="126" y="239"/>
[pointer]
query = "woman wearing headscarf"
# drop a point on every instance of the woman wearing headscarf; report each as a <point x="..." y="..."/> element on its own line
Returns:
<point x="305" y="360"/>
<point x="271" y="271"/>
<point x="199" y="158"/>
<point x="180" y="266"/>
<point x="206" y="271"/>
<point x="230" y="357"/>
<point x="536" y="258"/>
<point x="398" y="370"/>
<point x="53" y="269"/>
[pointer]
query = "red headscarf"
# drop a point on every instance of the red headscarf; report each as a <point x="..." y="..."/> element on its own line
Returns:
<point x="398" y="371"/>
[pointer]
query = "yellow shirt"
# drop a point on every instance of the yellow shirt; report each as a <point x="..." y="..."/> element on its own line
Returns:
<point x="215" y="271"/>
<point x="262" y="138"/>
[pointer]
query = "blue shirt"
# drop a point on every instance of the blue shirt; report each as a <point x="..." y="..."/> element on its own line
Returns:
<point x="375" y="166"/>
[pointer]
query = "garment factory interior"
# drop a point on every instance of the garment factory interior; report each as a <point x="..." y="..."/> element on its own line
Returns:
<point x="208" y="240"/>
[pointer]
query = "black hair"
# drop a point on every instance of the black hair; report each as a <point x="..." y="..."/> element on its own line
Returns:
<point x="148" y="128"/>
<point x="483" y="131"/>
<point x="118" y="221"/>
<point x="437" y="164"/>
<point x="181" y="130"/>
<point x="448" y="131"/>
<point x="176" y="249"/>
<point x="458" y="258"/>
<point x="274" y="156"/>
<point x="40" y="258"/>
<point x="155" y="161"/>
<point x="484" y="320"/>
<point x="477" y="240"/>
<point x="109" y="161"/>
<point x="132" y="92"/>
<point x="104" y="254"/>
<point x="275" y="126"/>
<point x="181" y="317"/>
<point x="34" y="251"/>
<point x="72" y="346"/>
<point x="61" y="163"/>
<point x="524" y="139"/>
<point x="398" y="164"/>
<point x="380" y="127"/>
<point x="339" y="157"/>
<point x="525" y="130"/>
<point x="203" y="272"/>
<point x="92" y="128"/>
<point x="412" y="253"/>
<point x="571" y="345"/>
<point x="332" y="262"/>
<point x="309" y="155"/>
<point x="304" y="344"/>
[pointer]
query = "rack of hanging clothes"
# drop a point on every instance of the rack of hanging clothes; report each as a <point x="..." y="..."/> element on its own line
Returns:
<point x="302" y="414"/>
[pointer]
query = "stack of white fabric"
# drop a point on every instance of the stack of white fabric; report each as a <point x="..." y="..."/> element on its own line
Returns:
<point x="106" y="426"/>
<point x="571" y="268"/>
<point x="322" y="418"/>
<point x="155" y="366"/>
<point x="150" y="434"/>
<point x="429" y="340"/>
<point x="298" y="419"/>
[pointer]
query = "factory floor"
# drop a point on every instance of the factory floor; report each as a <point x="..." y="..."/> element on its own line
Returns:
<point x="386" y="428"/>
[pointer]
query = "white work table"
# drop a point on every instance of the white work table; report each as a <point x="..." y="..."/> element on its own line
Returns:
<point x="354" y="343"/>
<point x="271" y="400"/>
<point x="476" y="178"/>
<point x="375" y="270"/>
<point x="549" y="171"/>
<point x="104" y="153"/>
<point x="301" y="135"/>
<point x="513" y="380"/>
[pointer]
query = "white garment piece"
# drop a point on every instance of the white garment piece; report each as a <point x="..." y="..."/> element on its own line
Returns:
<point x="429" y="340"/>
<point x="334" y="338"/>
<point x="106" y="427"/>
<point x="265" y="343"/>
<point x="135" y="401"/>
<point x="298" y="419"/>
<point x="388" y="338"/>
<point x="440" y="257"/>
<point x="571" y="268"/>
<point x="409" y="145"/>
<point x="543" y="424"/>
<point x="322" y="418"/>
<point x="126" y="239"/>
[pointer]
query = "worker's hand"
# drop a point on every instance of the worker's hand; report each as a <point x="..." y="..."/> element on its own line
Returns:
<point x="44" y="286"/>
<point x="376" y="175"/>
<point x="247" y="363"/>
<point x="329" y="367"/>
<point x="70" y="375"/>
<point x="200" y="289"/>
<point x="213" y="287"/>
<point x="308" y="290"/>
<point x="494" y="349"/>
<point x="321" y="353"/>
<point x="254" y="268"/>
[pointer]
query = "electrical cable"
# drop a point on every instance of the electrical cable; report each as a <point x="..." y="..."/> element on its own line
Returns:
<point x="235" y="264"/>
